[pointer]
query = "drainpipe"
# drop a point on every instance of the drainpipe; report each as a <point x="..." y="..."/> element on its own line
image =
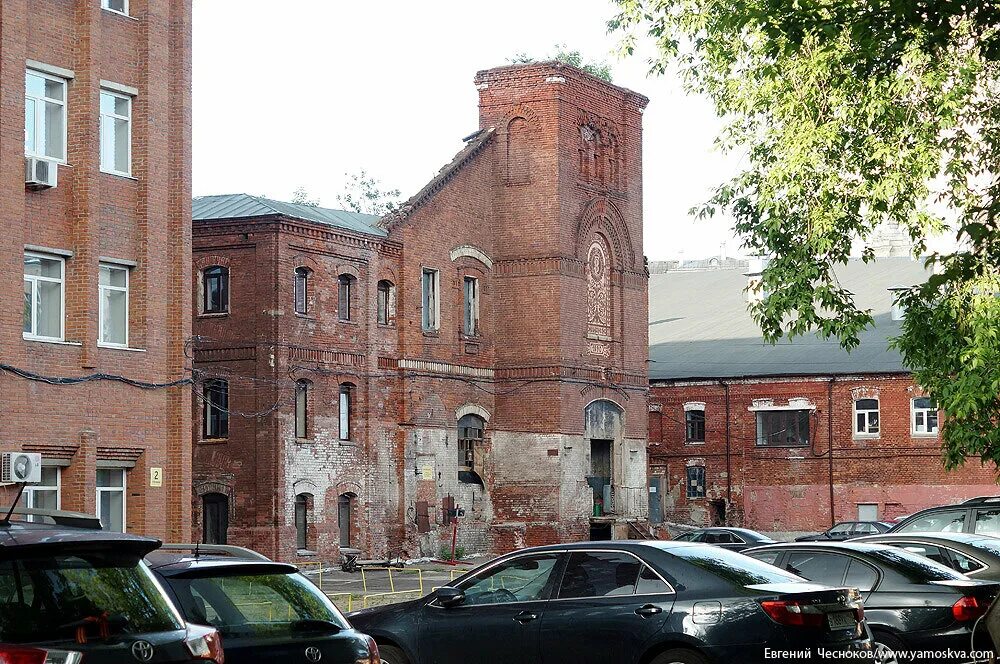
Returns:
<point x="729" y="469"/>
<point x="829" y="449"/>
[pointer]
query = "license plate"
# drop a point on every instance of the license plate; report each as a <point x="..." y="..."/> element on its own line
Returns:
<point x="841" y="620"/>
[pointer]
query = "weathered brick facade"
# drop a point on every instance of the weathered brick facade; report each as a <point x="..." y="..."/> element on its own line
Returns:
<point x="543" y="207"/>
<point x="140" y="222"/>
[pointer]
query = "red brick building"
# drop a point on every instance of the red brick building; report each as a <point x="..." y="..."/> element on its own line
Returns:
<point x="96" y="218"/>
<point x="791" y="437"/>
<point x="483" y="348"/>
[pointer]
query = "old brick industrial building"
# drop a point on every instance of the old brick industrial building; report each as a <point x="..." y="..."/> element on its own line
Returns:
<point x="791" y="437"/>
<point x="95" y="191"/>
<point x="483" y="349"/>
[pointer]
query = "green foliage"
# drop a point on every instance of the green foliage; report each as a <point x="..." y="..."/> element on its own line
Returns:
<point x="851" y="114"/>
<point x="599" y="68"/>
<point x="301" y="197"/>
<point x="444" y="552"/>
<point x="363" y="193"/>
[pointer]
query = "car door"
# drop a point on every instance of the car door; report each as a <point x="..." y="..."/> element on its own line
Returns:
<point x="608" y="606"/>
<point x="499" y="619"/>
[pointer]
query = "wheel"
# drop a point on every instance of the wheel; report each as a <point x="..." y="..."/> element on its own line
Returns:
<point x="392" y="655"/>
<point x="886" y="646"/>
<point x="679" y="656"/>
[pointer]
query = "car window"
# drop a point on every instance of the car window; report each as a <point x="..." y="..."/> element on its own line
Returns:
<point x="732" y="566"/>
<point x="254" y="604"/>
<point x="988" y="522"/>
<point x="599" y="574"/>
<point x="650" y="584"/>
<point x="964" y="564"/>
<point x="841" y="529"/>
<point x="860" y="576"/>
<point x="914" y="567"/>
<point x="820" y="567"/>
<point x="521" y="579"/>
<point x="865" y="529"/>
<point x="769" y="557"/>
<point x="687" y="537"/>
<point x="926" y="550"/>
<point x="948" y="521"/>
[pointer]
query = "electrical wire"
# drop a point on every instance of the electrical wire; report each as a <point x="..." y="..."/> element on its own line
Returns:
<point x="76" y="380"/>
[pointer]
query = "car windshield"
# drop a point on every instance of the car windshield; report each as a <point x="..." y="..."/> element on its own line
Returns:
<point x="913" y="566"/>
<point x="256" y="604"/>
<point x="733" y="567"/>
<point x="53" y="597"/>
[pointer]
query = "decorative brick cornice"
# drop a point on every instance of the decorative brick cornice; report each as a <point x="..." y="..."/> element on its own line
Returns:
<point x="323" y="356"/>
<point x="225" y="354"/>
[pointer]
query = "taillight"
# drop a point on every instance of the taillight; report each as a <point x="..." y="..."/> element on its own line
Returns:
<point x="19" y="655"/>
<point x="968" y="608"/>
<point x="373" y="656"/>
<point x="205" y="643"/>
<point x="790" y="612"/>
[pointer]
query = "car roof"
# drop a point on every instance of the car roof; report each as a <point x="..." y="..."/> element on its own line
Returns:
<point x="178" y="564"/>
<point x="17" y="535"/>
<point x="850" y="545"/>
<point x="961" y="538"/>
<point x="621" y="545"/>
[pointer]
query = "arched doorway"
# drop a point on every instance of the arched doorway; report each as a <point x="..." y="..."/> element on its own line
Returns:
<point x="603" y="431"/>
<point x="215" y="518"/>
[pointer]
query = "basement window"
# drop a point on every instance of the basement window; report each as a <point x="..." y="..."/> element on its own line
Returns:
<point x="696" y="481"/>
<point x="783" y="428"/>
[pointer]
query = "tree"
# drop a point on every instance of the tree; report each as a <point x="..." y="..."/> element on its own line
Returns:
<point x="598" y="68"/>
<point x="301" y="197"/>
<point x="363" y="193"/>
<point x="854" y="113"/>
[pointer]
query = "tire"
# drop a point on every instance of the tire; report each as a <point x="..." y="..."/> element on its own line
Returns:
<point x="392" y="655"/>
<point x="886" y="646"/>
<point x="679" y="656"/>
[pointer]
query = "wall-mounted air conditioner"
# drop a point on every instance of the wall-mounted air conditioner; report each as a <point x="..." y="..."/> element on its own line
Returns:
<point x="20" y="467"/>
<point x="40" y="173"/>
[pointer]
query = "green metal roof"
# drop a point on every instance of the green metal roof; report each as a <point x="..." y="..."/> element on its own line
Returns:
<point x="242" y="206"/>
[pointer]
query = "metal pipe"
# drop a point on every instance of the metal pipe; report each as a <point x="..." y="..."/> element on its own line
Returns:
<point x="729" y="468"/>
<point x="829" y="451"/>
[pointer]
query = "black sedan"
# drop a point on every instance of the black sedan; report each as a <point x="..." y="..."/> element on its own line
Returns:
<point x="911" y="603"/>
<point x="734" y="539"/>
<point x="977" y="556"/>
<point x="265" y="611"/>
<point x="847" y="530"/>
<point x="656" y="602"/>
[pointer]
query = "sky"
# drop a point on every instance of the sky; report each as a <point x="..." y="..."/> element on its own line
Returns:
<point x="299" y="93"/>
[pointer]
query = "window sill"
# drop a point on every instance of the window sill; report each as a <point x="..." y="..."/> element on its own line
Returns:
<point x="347" y="322"/>
<point x="305" y="553"/>
<point x="124" y="176"/>
<point x="47" y="340"/>
<point x="125" y="348"/>
<point x="213" y="441"/>
<point x="303" y="441"/>
<point x="214" y="314"/>
<point x="432" y="333"/>
<point x="120" y="14"/>
<point x="867" y="436"/>
<point x="694" y="442"/>
<point x="386" y="326"/>
<point x="918" y="434"/>
<point x="348" y="443"/>
<point x="304" y="316"/>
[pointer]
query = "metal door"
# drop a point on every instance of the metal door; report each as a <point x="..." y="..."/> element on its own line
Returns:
<point x="655" y="499"/>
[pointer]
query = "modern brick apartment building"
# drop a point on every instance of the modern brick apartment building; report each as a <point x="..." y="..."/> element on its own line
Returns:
<point x="483" y="349"/>
<point x="791" y="437"/>
<point x="97" y="94"/>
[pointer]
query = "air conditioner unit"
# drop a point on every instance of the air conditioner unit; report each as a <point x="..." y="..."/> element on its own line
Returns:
<point x="40" y="173"/>
<point x="20" y="467"/>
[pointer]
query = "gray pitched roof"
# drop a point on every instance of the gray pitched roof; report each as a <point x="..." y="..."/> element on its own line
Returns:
<point x="242" y="206"/>
<point x="699" y="326"/>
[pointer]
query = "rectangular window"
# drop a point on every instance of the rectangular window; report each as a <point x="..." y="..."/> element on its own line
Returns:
<point x="111" y="498"/>
<point x="43" y="296"/>
<point x="345" y="285"/>
<point x="301" y="290"/>
<point x="215" y="290"/>
<point x="113" y="305"/>
<point x="345" y="412"/>
<point x="45" y="116"/>
<point x="783" y="428"/>
<point x="215" y="401"/>
<point x="429" y="299"/>
<point x="384" y="302"/>
<point x="120" y="6"/>
<point x="45" y="494"/>
<point x="470" y="307"/>
<point x="694" y="426"/>
<point x="923" y="416"/>
<point x="302" y="409"/>
<point x="696" y="481"/>
<point x="116" y="133"/>
<point x="866" y="417"/>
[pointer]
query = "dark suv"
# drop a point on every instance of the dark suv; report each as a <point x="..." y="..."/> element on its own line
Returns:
<point x="71" y="592"/>
<point x="977" y="515"/>
<point x="266" y="611"/>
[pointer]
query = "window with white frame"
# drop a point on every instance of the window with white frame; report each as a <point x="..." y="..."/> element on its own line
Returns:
<point x="923" y="416"/>
<point x="346" y="409"/>
<point x="111" y="498"/>
<point x="44" y="116"/>
<point x="113" y="305"/>
<point x="119" y="6"/>
<point x="43" y="296"/>
<point x="116" y="133"/>
<point x="45" y="494"/>
<point x="865" y="417"/>
<point x="470" y="306"/>
<point x="429" y="299"/>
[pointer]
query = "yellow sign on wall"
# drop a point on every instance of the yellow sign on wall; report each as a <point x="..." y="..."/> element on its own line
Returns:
<point x="155" y="477"/>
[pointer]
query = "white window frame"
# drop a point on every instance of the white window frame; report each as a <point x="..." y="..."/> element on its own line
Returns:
<point x="925" y="431"/>
<point x="430" y="313"/>
<point x="345" y="397"/>
<point x="100" y="304"/>
<point x="105" y="5"/>
<point x="30" y="489"/>
<point x="62" y="297"/>
<point x="109" y="168"/>
<point x="867" y="433"/>
<point x="40" y="112"/>
<point x="112" y="489"/>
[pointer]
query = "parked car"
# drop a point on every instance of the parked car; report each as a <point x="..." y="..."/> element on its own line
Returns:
<point x="846" y="530"/>
<point x="70" y="591"/>
<point x="910" y="602"/>
<point x="618" y="601"/>
<point x="734" y="539"/>
<point x="977" y="515"/>
<point x="977" y="556"/>
<point x="266" y="611"/>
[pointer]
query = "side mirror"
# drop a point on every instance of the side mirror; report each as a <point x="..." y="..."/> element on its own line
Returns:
<point x="449" y="596"/>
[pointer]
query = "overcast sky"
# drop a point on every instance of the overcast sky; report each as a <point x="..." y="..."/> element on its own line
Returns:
<point x="300" y="92"/>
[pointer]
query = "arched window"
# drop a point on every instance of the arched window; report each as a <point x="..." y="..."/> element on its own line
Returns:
<point x="345" y="515"/>
<point x="345" y="286"/>
<point x="302" y="409"/>
<point x="215" y="518"/>
<point x="386" y="303"/>
<point x="346" y="410"/>
<point x="303" y="503"/>
<point x="215" y="405"/>
<point x="302" y="277"/>
<point x="470" y="434"/>
<point x="518" y="152"/>
<point x="215" y="290"/>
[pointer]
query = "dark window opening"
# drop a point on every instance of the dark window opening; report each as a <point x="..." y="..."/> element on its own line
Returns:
<point x="302" y="409"/>
<point x="600" y="475"/>
<point x="694" y="425"/>
<point x="696" y="481"/>
<point x="215" y="401"/>
<point x="302" y="521"/>
<point x="215" y="290"/>
<point x="345" y="286"/>
<point x="470" y="307"/>
<point x="344" y="515"/>
<point x="783" y="428"/>
<point x="302" y="290"/>
<point x="470" y="433"/>
<point x="215" y="518"/>
<point x="386" y="306"/>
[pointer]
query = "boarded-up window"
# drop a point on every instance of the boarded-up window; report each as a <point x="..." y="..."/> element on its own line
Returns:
<point x="423" y="517"/>
<point x="518" y="152"/>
